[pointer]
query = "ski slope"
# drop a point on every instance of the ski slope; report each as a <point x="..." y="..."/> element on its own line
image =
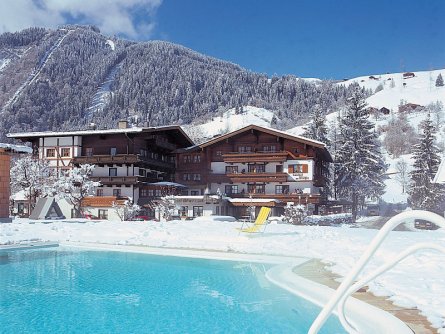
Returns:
<point x="36" y="72"/>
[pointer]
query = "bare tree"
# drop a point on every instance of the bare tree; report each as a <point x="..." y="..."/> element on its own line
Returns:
<point x="402" y="176"/>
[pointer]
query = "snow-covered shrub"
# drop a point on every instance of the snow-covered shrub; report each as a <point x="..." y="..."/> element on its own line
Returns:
<point x="166" y="207"/>
<point x="126" y="211"/>
<point x="334" y="219"/>
<point x="295" y="214"/>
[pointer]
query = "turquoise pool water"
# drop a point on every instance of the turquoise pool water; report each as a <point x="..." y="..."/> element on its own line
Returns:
<point x="69" y="291"/>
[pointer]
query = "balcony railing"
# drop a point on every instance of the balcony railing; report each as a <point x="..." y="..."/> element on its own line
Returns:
<point x="262" y="156"/>
<point x="117" y="180"/>
<point x="122" y="159"/>
<point x="257" y="177"/>
<point x="296" y="198"/>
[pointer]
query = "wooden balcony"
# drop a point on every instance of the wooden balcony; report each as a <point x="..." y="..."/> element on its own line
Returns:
<point x="122" y="180"/>
<point x="257" y="177"/>
<point x="234" y="157"/>
<point x="297" y="199"/>
<point x="122" y="159"/>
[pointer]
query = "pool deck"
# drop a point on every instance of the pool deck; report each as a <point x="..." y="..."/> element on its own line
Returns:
<point x="316" y="271"/>
<point x="30" y="245"/>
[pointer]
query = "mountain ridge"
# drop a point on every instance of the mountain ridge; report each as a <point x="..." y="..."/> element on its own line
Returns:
<point x="157" y="83"/>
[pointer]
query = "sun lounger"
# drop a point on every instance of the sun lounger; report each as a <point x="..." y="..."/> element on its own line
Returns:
<point x="260" y="223"/>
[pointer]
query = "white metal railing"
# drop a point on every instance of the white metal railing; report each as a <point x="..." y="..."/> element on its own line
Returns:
<point x="347" y="287"/>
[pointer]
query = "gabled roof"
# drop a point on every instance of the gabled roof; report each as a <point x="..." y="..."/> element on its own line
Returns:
<point x="28" y="135"/>
<point x="320" y="146"/>
<point x="271" y="131"/>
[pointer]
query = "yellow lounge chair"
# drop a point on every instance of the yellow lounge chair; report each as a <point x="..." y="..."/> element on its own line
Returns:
<point x="260" y="222"/>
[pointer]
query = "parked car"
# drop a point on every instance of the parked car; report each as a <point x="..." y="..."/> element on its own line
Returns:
<point x="424" y="225"/>
<point x="142" y="218"/>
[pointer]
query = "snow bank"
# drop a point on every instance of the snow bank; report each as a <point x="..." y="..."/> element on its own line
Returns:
<point x="416" y="282"/>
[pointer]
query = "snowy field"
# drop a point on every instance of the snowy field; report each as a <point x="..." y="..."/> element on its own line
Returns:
<point x="418" y="281"/>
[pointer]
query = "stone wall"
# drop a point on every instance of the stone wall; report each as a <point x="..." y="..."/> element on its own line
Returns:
<point x="4" y="183"/>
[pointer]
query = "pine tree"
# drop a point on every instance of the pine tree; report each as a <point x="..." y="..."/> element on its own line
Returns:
<point x="423" y="193"/>
<point x="439" y="80"/>
<point x="360" y="164"/>
<point x="317" y="130"/>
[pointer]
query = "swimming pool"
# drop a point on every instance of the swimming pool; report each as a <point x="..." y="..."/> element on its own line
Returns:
<point x="66" y="290"/>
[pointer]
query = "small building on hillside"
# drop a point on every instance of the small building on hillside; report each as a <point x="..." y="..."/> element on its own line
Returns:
<point x="408" y="75"/>
<point x="410" y="107"/>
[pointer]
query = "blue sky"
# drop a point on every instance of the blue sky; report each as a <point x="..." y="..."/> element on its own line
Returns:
<point x="308" y="38"/>
<point x="311" y="38"/>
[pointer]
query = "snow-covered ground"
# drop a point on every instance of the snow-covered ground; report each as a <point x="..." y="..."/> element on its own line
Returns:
<point x="418" y="281"/>
<point x="420" y="89"/>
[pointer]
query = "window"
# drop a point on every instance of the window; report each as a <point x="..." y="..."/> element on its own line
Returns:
<point x="299" y="168"/>
<point x="117" y="192"/>
<point x="279" y="168"/>
<point x="183" y="211"/>
<point x="142" y="172"/>
<point x="231" y="169"/>
<point x="99" y="192"/>
<point x="187" y="177"/>
<point x="256" y="188"/>
<point x="269" y="148"/>
<point x="196" y="158"/>
<point x="150" y="192"/>
<point x="112" y="172"/>
<point x="218" y="153"/>
<point x="102" y="214"/>
<point x="194" y="192"/>
<point x="65" y="152"/>
<point x="158" y="193"/>
<point x="187" y="159"/>
<point x="197" y="211"/>
<point x="50" y="152"/>
<point x="217" y="210"/>
<point x="256" y="168"/>
<point x="196" y="177"/>
<point x="113" y="151"/>
<point x="244" y="149"/>
<point x="281" y="189"/>
<point x="144" y="192"/>
<point x="231" y="189"/>
<point x="89" y="151"/>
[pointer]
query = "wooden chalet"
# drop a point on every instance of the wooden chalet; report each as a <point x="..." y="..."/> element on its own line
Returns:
<point x="256" y="165"/>
<point x="128" y="160"/>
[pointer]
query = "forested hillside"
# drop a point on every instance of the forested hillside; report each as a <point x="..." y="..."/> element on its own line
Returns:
<point x="69" y="77"/>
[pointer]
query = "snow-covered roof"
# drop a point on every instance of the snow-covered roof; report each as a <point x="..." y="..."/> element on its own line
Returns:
<point x="26" y="135"/>
<point x="17" y="148"/>
<point x="440" y="175"/>
<point x="94" y="132"/>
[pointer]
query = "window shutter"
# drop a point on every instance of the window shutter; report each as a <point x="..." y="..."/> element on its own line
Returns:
<point x="305" y="168"/>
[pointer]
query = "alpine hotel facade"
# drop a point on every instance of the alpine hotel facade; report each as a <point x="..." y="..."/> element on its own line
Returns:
<point x="252" y="166"/>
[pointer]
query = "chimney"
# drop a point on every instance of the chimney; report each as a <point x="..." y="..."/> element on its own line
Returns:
<point x="122" y="124"/>
<point x="92" y="126"/>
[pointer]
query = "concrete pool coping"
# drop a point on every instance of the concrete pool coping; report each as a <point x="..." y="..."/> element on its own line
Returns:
<point x="365" y="317"/>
